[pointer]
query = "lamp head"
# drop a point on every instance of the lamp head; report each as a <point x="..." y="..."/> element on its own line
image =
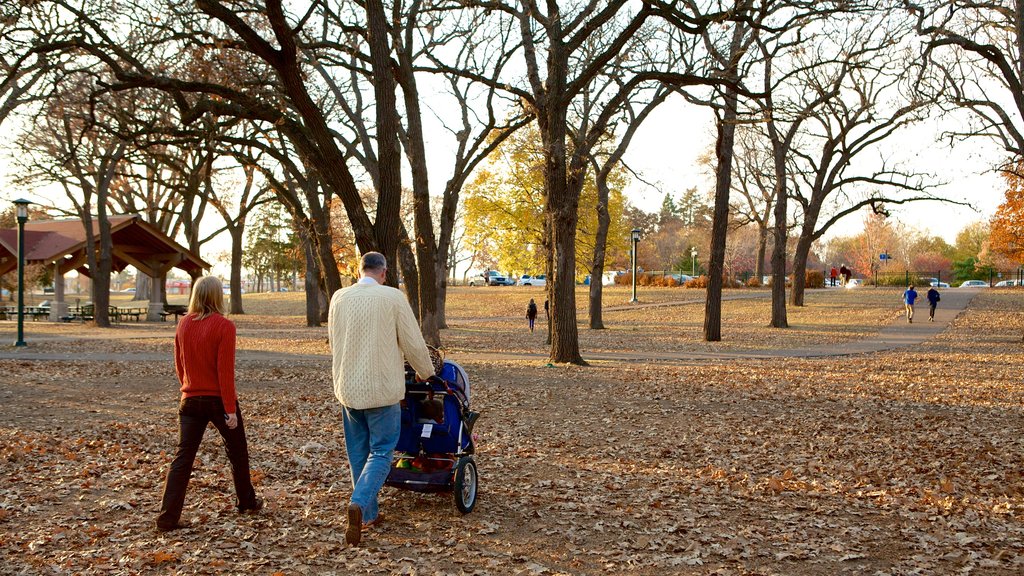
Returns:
<point x="636" y="234"/>
<point x="693" y="252"/>
<point x="21" y="207"/>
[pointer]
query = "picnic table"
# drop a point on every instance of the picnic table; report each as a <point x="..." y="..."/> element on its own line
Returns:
<point x="83" y="313"/>
<point x="36" y="312"/>
<point x="124" y="313"/>
<point x="175" y="310"/>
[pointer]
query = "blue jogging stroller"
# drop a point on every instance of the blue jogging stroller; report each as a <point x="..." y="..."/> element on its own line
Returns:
<point x="435" y="448"/>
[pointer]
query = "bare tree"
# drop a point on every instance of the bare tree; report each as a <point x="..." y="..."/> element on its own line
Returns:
<point x="420" y="32"/>
<point x="753" y="185"/>
<point x="68" y="145"/>
<point x="633" y="115"/>
<point x="870" y="104"/>
<point x="974" y="47"/>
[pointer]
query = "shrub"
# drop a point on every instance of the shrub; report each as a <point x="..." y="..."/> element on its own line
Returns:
<point x="814" y="279"/>
<point x="754" y="282"/>
<point x="698" y="282"/>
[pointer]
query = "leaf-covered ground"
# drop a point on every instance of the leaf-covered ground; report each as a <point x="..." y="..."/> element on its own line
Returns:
<point x="897" y="463"/>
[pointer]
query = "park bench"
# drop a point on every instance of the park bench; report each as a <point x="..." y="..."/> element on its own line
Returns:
<point x="173" y="309"/>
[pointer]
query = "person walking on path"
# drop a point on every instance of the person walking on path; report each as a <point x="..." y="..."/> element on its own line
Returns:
<point x="832" y="276"/>
<point x="370" y="327"/>
<point x="933" y="301"/>
<point x="908" y="300"/>
<point x="204" y="360"/>
<point x="531" y="313"/>
<point x="846" y="273"/>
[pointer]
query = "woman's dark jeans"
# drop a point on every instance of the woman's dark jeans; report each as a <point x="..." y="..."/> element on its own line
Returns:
<point x="193" y="415"/>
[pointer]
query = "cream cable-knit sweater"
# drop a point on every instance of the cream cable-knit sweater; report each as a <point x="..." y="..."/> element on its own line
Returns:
<point x="370" y="327"/>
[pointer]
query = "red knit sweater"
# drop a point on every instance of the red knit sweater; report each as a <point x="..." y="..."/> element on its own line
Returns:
<point x="204" y="358"/>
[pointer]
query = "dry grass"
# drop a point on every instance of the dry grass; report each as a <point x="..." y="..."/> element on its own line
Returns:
<point x="887" y="464"/>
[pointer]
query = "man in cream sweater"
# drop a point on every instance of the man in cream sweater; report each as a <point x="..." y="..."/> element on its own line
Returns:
<point x="370" y="327"/>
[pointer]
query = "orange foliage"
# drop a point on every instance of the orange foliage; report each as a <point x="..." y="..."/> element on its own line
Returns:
<point x="1007" y="226"/>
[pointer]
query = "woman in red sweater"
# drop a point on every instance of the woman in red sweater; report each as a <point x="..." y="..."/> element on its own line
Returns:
<point x="204" y="359"/>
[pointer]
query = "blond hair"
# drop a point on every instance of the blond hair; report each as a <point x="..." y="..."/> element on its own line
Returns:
<point x="207" y="297"/>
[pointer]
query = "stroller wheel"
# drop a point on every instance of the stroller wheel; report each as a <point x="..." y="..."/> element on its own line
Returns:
<point x="465" y="484"/>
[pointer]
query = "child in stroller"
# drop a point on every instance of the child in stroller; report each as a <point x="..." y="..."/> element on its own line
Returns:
<point x="435" y="448"/>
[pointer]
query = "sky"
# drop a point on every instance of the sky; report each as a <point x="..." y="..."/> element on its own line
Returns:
<point x="666" y="147"/>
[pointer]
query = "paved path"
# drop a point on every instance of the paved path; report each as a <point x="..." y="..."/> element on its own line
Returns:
<point x="898" y="334"/>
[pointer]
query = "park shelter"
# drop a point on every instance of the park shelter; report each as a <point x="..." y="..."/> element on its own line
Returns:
<point x="62" y="244"/>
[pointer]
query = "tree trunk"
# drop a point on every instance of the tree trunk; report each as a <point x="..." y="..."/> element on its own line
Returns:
<point x="442" y="302"/>
<point x="236" y="233"/>
<point x="389" y="151"/>
<point x="720" y="219"/>
<point x="427" y="255"/>
<point x="407" y="261"/>
<point x="779" y="319"/>
<point x="101" y="274"/>
<point x="762" y="248"/>
<point x="312" y="277"/>
<point x="803" y="249"/>
<point x="600" y="251"/>
<point x="142" y="284"/>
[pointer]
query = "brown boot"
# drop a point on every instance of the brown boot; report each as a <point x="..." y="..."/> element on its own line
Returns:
<point x="354" y="532"/>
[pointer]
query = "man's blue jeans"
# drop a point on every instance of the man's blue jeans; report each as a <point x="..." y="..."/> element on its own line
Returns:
<point x="370" y="439"/>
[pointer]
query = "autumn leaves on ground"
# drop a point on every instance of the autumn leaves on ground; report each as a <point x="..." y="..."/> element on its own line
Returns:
<point x="904" y="462"/>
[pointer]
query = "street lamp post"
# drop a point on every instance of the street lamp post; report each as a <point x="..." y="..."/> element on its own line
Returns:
<point x="693" y="261"/>
<point x="636" y="240"/>
<point x="21" y="208"/>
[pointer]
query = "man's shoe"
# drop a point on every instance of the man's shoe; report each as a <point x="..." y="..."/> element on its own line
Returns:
<point x="169" y="527"/>
<point x="354" y="532"/>
<point x="256" y="506"/>
<point x="375" y="522"/>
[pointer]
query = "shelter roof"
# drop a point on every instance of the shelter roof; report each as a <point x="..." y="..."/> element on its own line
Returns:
<point x="135" y="242"/>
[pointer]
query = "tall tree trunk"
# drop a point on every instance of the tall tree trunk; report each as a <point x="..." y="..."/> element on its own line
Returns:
<point x="562" y="206"/>
<point x="427" y="256"/>
<point x="549" y="270"/>
<point x="800" y="254"/>
<point x="762" y="248"/>
<point x="101" y="276"/>
<point x="600" y="251"/>
<point x="142" y="284"/>
<point x="236" y="233"/>
<point x="779" y="319"/>
<point x="312" y="277"/>
<point x="389" y="192"/>
<point x="407" y="261"/>
<point x="720" y="218"/>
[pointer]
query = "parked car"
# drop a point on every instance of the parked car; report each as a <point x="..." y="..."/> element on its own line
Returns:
<point x="1006" y="283"/>
<point x="538" y="280"/>
<point x="974" y="284"/>
<point x="491" y="278"/>
<point x="681" y="278"/>
<point x="937" y="284"/>
<point x="855" y="283"/>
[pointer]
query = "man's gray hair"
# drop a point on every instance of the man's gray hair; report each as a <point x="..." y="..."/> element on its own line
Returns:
<point x="374" y="261"/>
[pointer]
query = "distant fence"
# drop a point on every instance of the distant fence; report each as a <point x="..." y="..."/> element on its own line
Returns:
<point x="926" y="278"/>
